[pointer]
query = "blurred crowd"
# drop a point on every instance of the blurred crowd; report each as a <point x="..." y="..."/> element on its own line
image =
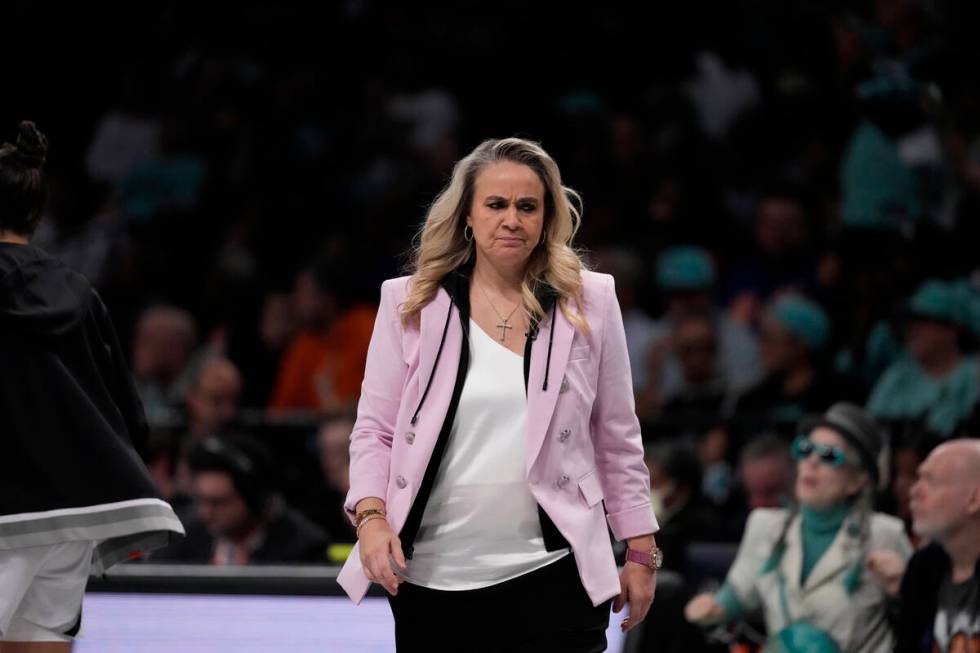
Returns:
<point x="787" y="194"/>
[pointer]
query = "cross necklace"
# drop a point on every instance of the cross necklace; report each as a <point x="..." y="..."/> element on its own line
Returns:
<point x="503" y="326"/>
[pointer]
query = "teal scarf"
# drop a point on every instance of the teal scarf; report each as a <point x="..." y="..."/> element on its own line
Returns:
<point x="819" y="530"/>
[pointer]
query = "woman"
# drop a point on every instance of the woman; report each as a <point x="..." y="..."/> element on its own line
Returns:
<point x="74" y="494"/>
<point x="496" y="417"/>
<point x="814" y="569"/>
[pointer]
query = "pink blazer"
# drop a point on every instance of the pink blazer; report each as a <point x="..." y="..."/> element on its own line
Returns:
<point x="584" y="453"/>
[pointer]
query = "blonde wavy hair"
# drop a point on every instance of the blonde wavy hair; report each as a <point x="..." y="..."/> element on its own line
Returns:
<point x="440" y="247"/>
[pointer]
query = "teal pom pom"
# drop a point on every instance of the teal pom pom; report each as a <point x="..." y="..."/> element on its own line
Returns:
<point x="853" y="577"/>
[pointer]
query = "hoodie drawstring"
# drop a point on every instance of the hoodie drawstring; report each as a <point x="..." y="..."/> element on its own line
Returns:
<point x="551" y="340"/>
<point x="435" y="364"/>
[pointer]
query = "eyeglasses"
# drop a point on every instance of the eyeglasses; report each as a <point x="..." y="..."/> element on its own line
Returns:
<point x="827" y="454"/>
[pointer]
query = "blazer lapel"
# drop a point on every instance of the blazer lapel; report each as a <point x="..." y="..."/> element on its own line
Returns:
<point x="540" y="402"/>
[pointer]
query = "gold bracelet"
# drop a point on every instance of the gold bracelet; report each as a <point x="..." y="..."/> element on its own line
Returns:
<point x="367" y="518"/>
<point x="359" y="517"/>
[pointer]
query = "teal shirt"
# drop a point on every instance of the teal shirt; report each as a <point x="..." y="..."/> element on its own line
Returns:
<point x="906" y="391"/>
<point x="819" y="528"/>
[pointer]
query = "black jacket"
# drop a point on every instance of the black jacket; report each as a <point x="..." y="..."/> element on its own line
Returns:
<point x="920" y="595"/>
<point x="71" y="423"/>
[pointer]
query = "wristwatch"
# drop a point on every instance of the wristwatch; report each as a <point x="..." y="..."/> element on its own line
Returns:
<point x="653" y="560"/>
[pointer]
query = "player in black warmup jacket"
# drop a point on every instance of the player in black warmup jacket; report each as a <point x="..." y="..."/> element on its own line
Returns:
<point x="75" y="496"/>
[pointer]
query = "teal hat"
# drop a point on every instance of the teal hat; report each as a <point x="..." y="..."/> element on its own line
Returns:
<point x="935" y="300"/>
<point x="685" y="268"/>
<point x="955" y="302"/>
<point x="802" y="318"/>
<point x="893" y="87"/>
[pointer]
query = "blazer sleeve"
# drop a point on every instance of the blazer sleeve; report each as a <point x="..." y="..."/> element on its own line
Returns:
<point x="377" y="408"/>
<point x="615" y="430"/>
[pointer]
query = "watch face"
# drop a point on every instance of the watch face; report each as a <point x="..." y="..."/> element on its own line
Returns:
<point x="658" y="558"/>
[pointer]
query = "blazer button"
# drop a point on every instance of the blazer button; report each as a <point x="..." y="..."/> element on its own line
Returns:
<point x="400" y="481"/>
<point x="410" y="437"/>
<point x="564" y="434"/>
<point x="563" y="480"/>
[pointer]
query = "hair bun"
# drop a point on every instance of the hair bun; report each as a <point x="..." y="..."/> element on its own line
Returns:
<point x="32" y="145"/>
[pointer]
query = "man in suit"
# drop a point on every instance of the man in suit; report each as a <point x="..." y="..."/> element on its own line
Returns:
<point x="240" y="519"/>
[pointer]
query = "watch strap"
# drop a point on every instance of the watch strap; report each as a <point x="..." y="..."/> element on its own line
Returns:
<point x="651" y="559"/>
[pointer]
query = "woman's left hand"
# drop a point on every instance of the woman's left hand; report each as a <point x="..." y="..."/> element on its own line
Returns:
<point x="639" y="584"/>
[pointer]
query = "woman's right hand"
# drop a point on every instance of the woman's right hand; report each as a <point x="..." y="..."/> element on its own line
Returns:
<point x="704" y="609"/>
<point x="378" y="546"/>
<point x="887" y="567"/>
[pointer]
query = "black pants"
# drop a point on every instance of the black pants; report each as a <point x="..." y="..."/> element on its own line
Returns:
<point x="544" y="611"/>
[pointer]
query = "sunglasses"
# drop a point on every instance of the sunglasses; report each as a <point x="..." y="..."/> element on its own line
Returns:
<point x="831" y="456"/>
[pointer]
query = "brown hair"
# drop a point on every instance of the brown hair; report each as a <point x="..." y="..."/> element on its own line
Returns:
<point x="23" y="187"/>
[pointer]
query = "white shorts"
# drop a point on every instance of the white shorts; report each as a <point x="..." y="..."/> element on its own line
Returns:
<point x="41" y="591"/>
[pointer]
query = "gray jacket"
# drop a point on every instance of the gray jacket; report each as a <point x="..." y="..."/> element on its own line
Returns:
<point x="855" y="620"/>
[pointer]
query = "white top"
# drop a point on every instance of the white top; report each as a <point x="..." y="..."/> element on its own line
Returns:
<point x="480" y="526"/>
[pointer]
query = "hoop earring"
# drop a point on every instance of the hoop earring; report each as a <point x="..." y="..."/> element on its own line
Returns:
<point x="470" y="237"/>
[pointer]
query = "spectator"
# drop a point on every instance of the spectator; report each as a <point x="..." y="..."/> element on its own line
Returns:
<point x="936" y="384"/>
<point x="764" y="479"/>
<point x="170" y="183"/>
<point x="782" y="259"/>
<point x="323" y="366"/>
<point x="906" y="456"/>
<point x="675" y="489"/>
<point x="241" y="519"/>
<point x="627" y="269"/>
<point x="213" y="398"/>
<point x="162" y="348"/>
<point x="805" y="566"/>
<point x="795" y="330"/>
<point x="704" y="398"/>
<point x="715" y="452"/>
<point x="940" y="591"/>
<point x="766" y="472"/>
<point x="211" y="407"/>
<point x="333" y="454"/>
<point x="687" y="277"/>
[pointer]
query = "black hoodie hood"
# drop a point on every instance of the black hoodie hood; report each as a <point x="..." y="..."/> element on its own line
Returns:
<point x="38" y="294"/>
<point x="70" y="419"/>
